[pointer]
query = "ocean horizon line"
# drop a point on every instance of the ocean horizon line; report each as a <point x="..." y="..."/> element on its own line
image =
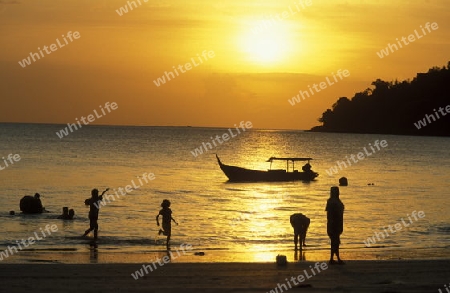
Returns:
<point x="154" y="126"/>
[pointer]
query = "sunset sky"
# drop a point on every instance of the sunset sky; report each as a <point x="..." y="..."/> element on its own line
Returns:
<point x="256" y="66"/>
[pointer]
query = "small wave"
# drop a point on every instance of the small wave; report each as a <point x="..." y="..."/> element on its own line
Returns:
<point x="27" y="216"/>
<point x="285" y="209"/>
<point x="50" y="249"/>
<point x="165" y="192"/>
<point x="184" y="191"/>
<point x="444" y="229"/>
<point x="234" y="189"/>
<point x="43" y="260"/>
<point x="221" y="199"/>
<point x="421" y="232"/>
<point x="376" y="246"/>
<point x="116" y="241"/>
<point x="241" y="212"/>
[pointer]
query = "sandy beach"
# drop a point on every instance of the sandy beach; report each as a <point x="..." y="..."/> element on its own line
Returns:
<point x="354" y="276"/>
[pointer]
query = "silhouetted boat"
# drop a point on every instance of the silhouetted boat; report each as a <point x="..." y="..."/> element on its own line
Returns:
<point x="238" y="174"/>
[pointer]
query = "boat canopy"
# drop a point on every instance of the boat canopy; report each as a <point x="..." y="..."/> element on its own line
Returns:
<point x="293" y="160"/>
<point x="288" y="159"/>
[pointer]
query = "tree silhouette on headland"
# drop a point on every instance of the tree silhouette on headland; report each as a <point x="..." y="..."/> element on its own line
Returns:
<point x="394" y="107"/>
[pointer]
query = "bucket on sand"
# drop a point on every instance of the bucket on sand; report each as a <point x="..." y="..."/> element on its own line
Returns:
<point x="281" y="260"/>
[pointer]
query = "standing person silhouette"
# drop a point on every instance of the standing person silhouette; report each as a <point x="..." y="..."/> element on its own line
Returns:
<point x="335" y="223"/>
<point x="167" y="219"/>
<point x="94" y="207"/>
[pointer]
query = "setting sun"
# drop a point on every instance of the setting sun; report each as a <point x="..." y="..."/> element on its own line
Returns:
<point x="268" y="45"/>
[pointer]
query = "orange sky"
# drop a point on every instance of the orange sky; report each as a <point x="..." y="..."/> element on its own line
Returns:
<point x="253" y="73"/>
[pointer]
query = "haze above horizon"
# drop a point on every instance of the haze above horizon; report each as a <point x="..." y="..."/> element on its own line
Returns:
<point x="207" y="64"/>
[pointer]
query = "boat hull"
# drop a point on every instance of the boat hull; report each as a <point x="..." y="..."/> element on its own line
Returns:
<point x="238" y="174"/>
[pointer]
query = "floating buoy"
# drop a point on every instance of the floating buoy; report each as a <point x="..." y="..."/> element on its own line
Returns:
<point x="343" y="181"/>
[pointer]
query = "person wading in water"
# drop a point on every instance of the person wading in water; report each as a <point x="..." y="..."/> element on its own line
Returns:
<point x="335" y="223"/>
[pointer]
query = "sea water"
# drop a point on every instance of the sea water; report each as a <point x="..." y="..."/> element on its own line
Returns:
<point x="408" y="175"/>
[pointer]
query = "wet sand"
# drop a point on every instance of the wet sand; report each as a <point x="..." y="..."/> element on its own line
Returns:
<point x="354" y="276"/>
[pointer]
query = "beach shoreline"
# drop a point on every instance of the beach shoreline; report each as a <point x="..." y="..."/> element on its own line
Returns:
<point x="354" y="276"/>
<point x="95" y="253"/>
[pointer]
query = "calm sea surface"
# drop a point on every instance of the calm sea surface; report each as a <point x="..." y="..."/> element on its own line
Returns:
<point x="251" y="219"/>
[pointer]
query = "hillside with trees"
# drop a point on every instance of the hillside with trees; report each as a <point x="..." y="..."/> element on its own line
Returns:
<point x="395" y="107"/>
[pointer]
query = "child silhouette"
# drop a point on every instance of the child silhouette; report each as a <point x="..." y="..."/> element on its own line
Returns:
<point x="167" y="219"/>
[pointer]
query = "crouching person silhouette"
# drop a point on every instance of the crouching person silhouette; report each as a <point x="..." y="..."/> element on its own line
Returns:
<point x="300" y="223"/>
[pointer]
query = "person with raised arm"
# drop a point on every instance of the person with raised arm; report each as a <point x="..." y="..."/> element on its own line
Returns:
<point x="94" y="207"/>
